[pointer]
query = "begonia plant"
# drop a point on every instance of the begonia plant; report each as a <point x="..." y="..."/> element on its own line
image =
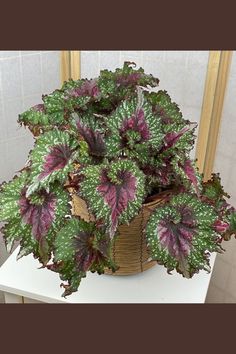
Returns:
<point x="116" y="141"/>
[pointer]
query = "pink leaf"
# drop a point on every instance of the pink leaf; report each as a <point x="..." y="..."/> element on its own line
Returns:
<point x="39" y="216"/>
<point x="117" y="195"/>
<point x="86" y="254"/>
<point x="138" y="124"/>
<point x="57" y="159"/>
<point x="177" y="238"/>
<point x="39" y="107"/>
<point x="191" y="174"/>
<point x="172" y="138"/>
<point x="220" y="226"/>
<point x="128" y="79"/>
<point x="94" y="139"/>
<point x="88" y="88"/>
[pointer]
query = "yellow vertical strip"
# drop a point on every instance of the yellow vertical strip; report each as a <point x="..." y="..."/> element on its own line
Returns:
<point x="207" y="107"/>
<point x="224" y="68"/>
<point x="65" y="65"/>
<point x="75" y="64"/>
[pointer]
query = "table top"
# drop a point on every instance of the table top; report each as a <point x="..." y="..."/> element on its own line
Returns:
<point x="24" y="278"/>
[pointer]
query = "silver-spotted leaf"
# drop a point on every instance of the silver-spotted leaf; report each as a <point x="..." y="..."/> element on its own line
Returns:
<point x="52" y="159"/>
<point x="113" y="192"/>
<point x="134" y="130"/>
<point x="34" y="220"/>
<point x="181" y="233"/>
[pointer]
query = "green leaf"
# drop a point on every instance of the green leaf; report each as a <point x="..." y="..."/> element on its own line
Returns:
<point x="54" y="105"/>
<point x="165" y="106"/>
<point x="180" y="234"/>
<point x="114" y="192"/>
<point x="14" y="231"/>
<point x="9" y="197"/>
<point x="34" y="117"/>
<point x="52" y="159"/>
<point x="134" y="131"/>
<point x="80" y="247"/>
<point x="213" y="190"/>
<point x="18" y="228"/>
<point x="187" y="173"/>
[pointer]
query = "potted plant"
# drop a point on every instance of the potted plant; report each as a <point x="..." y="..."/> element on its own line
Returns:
<point x="110" y="186"/>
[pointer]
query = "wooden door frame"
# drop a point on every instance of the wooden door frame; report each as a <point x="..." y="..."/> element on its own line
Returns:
<point x="70" y="65"/>
<point x="218" y="69"/>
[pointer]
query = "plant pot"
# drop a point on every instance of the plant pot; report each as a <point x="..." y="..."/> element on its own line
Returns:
<point x="129" y="250"/>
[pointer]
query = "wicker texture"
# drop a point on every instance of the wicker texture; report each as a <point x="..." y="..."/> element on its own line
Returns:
<point x="129" y="250"/>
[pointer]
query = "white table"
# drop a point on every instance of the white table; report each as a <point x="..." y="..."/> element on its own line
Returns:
<point x="22" y="281"/>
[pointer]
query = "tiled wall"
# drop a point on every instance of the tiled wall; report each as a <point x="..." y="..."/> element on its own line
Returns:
<point x="24" y="77"/>
<point x="181" y="73"/>
<point x="223" y="282"/>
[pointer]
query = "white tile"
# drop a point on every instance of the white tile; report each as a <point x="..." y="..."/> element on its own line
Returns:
<point x="194" y="84"/>
<point x="173" y="81"/>
<point x="89" y="64"/>
<point x="191" y="113"/>
<point x="17" y="153"/>
<point x="51" y="71"/>
<point x="109" y="60"/>
<point x="131" y="53"/>
<point x="90" y="52"/>
<point x="181" y="77"/>
<point x="223" y="166"/>
<point x="30" y="101"/>
<point x="132" y="56"/>
<point x="227" y="134"/>
<point x="198" y="57"/>
<point x="4" y="175"/>
<point x="12" y="109"/>
<point x="9" y="53"/>
<point x="29" y="52"/>
<point x="154" y="55"/>
<point x="1" y="93"/>
<point x="157" y="69"/>
<point x="31" y="74"/>
<point x="11" y="77"/>
<point x="176" y="56"/>
<point x="170" y="77"/>
<point x="3" y="125"/>
<point x="229" y="185"/>
<point x="230" y="89"/>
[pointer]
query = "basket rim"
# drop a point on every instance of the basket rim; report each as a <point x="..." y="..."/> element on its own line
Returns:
<point x="158" y="196"/>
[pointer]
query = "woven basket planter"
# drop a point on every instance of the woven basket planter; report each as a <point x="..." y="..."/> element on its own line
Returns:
<point x="129" y="250"/>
